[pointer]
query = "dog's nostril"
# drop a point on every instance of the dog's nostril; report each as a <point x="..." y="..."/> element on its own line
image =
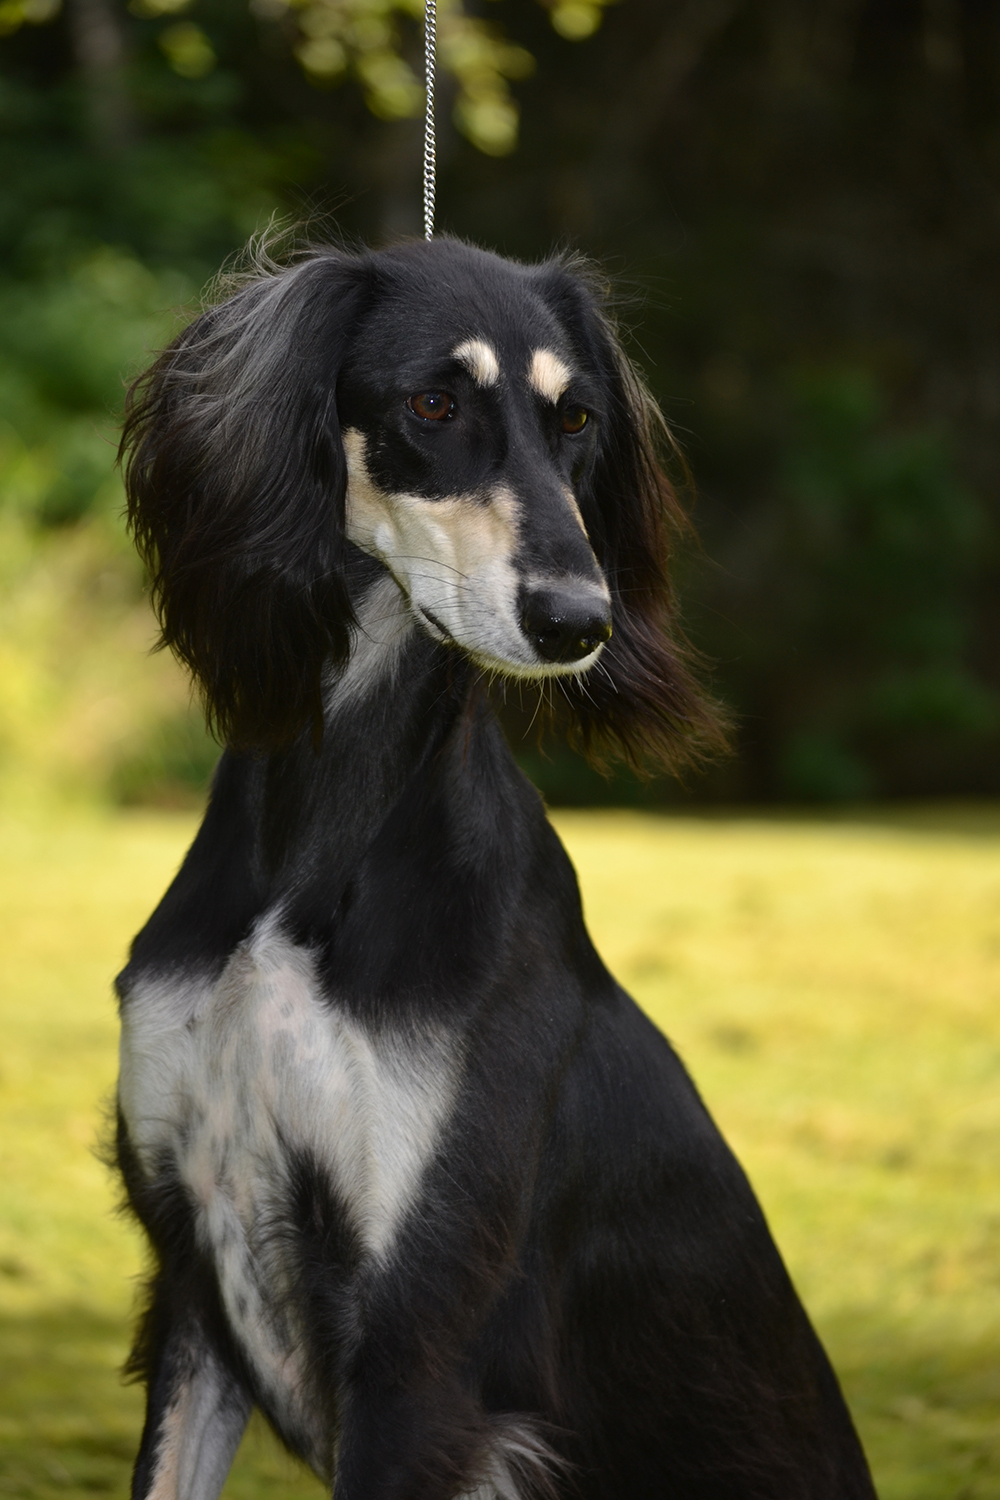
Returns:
<point x="564" y="628"/>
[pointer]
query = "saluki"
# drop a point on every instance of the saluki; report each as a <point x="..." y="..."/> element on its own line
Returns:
<point x="420" y="1180"/>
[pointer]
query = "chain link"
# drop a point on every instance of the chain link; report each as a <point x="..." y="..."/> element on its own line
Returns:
<point x="430" y="140"/>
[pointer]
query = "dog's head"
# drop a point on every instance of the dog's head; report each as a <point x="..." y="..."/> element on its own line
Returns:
<point x="470" y="422"/>
<point x="470" y="418"/>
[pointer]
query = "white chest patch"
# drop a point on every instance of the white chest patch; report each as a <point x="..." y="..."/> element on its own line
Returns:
<point x="227" y="1080"/>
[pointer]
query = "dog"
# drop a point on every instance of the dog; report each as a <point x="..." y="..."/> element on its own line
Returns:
<point x="420" y="1180"/>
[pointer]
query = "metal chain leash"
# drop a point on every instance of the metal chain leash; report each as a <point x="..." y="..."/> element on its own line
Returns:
<point x="430" y="140"/>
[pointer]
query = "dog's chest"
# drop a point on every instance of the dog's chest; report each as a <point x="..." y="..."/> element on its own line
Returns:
<point x="231" y="1084"/>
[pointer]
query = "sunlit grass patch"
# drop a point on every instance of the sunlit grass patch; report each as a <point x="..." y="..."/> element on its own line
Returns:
<point x="833" y="987"/>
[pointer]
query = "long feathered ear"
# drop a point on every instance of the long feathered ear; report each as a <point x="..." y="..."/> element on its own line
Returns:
<point x="235" y="476"/>
<point x="641" y="703"/>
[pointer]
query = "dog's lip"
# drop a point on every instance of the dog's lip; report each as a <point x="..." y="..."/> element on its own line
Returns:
<point x="441" y="629"/>
<point x="498" y="664"/>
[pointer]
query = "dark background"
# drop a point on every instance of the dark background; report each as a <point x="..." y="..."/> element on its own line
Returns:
<point x="798" y="200"/>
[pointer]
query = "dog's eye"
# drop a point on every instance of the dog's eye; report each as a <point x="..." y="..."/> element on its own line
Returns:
<point x="575" y="418"/>
<point x="431" y="406"/>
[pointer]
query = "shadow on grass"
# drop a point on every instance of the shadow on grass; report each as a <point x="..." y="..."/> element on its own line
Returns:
<point x="70" y="1427"/>
<point x="928" y="1409"/>
<point x="67" y="1424"/>
<point x="927" y="1405"/>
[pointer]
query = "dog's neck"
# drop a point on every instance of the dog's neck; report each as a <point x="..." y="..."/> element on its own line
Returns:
<point x="385" y="626"/>
<point x="386" y="713"/>
<point x="412" y="774"/>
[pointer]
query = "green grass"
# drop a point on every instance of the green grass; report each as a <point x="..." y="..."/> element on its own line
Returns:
<point x="833" y="986"/>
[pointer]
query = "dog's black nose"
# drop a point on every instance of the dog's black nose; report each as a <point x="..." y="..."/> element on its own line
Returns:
<point x="562" y="626"/>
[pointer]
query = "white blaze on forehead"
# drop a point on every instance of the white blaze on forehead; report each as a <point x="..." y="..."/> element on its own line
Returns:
<point x="548" y="374"/>
<point x="480" y="359"/>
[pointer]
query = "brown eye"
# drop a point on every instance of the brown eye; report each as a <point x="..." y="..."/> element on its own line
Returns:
<point x="431" y="406"/>
<point x="575" y="419"/>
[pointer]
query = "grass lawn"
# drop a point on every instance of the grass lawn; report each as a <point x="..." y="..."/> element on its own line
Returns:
<point x="833" y="986"/>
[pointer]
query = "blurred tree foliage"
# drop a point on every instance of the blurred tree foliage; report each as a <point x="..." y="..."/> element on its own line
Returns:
<point x="800" y="199"/>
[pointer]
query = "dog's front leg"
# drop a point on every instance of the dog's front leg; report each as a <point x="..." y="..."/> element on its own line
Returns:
<point x="396" y="1444"/>
<point x="196" y="1414"/>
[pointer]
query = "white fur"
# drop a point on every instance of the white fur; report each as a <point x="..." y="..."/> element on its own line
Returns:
<point x="519" y="1465"/>
<point x="548" y="374"/>
<point x="226" y="1078"/>
<point x="385" y="623"/>
<point x="199" y="1436"/>
<point x="480" y="360"/>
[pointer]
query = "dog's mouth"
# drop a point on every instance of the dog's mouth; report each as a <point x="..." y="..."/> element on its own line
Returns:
<point x="437" y="628"/>
<point x="567" y="660"/>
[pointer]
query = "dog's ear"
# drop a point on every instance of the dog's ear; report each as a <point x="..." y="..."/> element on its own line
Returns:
<point x="641" y="703"/>
<point x="236" y="479"/>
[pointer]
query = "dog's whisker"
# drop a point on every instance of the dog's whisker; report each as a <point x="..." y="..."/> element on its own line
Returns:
<point x="600" y="667"/>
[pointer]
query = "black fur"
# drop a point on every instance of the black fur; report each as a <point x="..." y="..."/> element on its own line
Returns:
<point x="580" y="1297"/>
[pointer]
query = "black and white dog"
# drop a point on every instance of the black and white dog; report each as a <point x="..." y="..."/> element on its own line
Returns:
<point x="421" y="1181"/>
